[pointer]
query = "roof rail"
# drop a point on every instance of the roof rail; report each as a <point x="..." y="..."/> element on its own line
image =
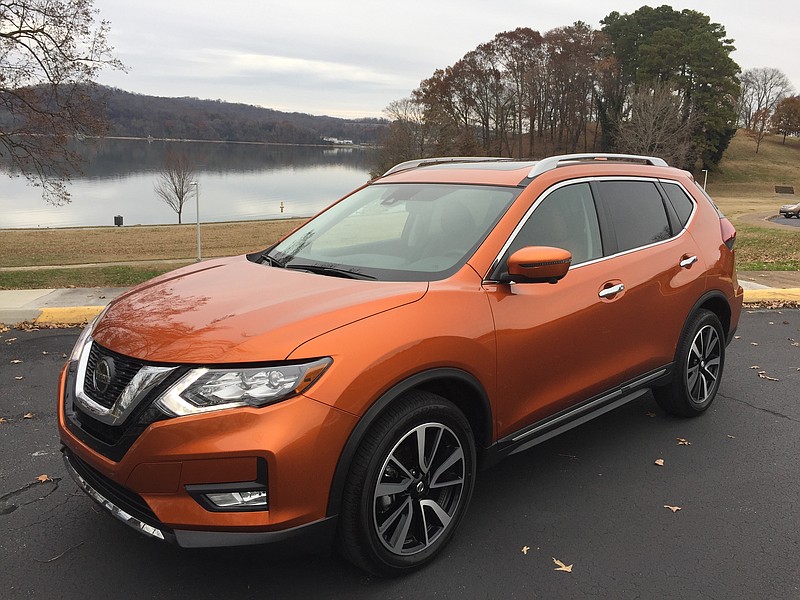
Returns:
<point x="424" y="162"/>
<point x="550" y="163"/>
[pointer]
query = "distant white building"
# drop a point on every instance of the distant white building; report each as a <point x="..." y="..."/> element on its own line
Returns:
<point x="337" y="141"/>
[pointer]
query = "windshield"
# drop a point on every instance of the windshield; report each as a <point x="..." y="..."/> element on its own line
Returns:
<point x="396" y="232"/>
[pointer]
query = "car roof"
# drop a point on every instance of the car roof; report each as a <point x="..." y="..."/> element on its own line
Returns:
<point x="505" y="171"/>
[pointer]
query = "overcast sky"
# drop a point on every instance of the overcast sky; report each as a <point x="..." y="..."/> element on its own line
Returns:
<point x="351" y="59"/>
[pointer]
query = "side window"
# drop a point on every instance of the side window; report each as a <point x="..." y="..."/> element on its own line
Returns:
<point x="680" y="201"/>
<point x="566" y="219"/>
<point x="636" y="210"/>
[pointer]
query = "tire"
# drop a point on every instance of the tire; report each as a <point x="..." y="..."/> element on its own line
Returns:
<point x="400" y="505"/>
<point x="699" y="361"/>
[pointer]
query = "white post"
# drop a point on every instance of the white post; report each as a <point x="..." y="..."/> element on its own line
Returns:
<point x="197" y="204"/>
<point x="705" y="178"/>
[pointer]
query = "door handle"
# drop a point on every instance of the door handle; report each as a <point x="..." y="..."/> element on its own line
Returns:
<point x="688" y="261"/>
<point x="610" y="291"/>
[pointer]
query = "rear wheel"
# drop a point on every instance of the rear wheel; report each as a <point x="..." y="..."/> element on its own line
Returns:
<point x="409" y="486"/>
<point x="698" y="367"/>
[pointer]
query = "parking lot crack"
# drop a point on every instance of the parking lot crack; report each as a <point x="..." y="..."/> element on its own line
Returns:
<point x="761" y="408"/>
<point x="27" y="494"/>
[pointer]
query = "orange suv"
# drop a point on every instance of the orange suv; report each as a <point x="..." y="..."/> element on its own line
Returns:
<point x="342" y="385"/>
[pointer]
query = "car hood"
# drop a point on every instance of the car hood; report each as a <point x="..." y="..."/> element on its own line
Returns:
<point x="234" y="311"/>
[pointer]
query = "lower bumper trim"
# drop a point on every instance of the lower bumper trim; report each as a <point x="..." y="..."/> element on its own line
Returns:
<point x="115" y="510"/>
<point x="310" y="537"/>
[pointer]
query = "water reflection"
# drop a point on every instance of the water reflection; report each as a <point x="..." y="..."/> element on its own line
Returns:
<point x="237" y="181"/>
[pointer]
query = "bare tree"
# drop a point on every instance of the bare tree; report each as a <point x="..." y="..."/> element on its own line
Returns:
<point x="762" y="89"/>
<point x="656" y="127"/>
<point x="50" y="53"/>
<point x="175" y="181"/>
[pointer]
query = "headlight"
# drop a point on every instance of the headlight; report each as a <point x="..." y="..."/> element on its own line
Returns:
<point x="204" y="390"/>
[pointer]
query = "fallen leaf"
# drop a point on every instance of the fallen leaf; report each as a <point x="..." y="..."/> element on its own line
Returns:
<point x="683" y="442"/>
<point x="3" y="420"/>
<point x="27" y="416"/>
<point x="525" y="550"/>
<point x="45" y="352"/>
<point x="19" y="378"/>
<point x="43" y="478"/>
<point x="3" y="328"/>
<point x="650" y="414"/>
<point x="755" y="367"/>
<point x="9" y="340"/>
<point x="560" y="566"/>
<point x="737" y="337"/>
<point x="660" y="462"/>
<point x="673" y="508"/>
<point x="732" y="437"/>
<point x="772" y="322"/>
<point x="16" y="361"/>
<point x="754" y="343"/>
<point x="763" y="375"/>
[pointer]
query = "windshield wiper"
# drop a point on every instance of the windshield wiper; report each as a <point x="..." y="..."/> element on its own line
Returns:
<point x="329" y="270"/>
<point x="271" y="261"/>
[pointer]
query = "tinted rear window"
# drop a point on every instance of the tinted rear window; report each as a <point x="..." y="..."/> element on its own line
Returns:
<point x="637" y="212"/>
<point x="680" y="201"/>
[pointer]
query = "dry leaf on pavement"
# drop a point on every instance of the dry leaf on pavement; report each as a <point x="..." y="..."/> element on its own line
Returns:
<point x="43" y="478"/>
<point x="16" y="361"/>
<point x="19" y="378"/>
<point x="3" y="420"/>
<point x="673" y="508"/>
<point x="560" y="566"/>
<point x="763" y="375"/>
<point x="754" y="343"/>
<point x="660" y="462"/>
<point x="525" y="549"/>
<point x="27" y="415"/>
<point x="683" y="442"/>
<point x="650" y="414"/>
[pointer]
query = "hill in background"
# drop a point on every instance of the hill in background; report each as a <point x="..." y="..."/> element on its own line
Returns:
<point x="138" y="115"/>
<point x="750" y="178"/>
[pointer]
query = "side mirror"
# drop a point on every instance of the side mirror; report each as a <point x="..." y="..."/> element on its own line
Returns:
<point x="538" y="264"/>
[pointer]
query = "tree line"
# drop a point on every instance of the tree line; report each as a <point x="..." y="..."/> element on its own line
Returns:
<point x="656" y="81"/>
<point x="139" y="115"/>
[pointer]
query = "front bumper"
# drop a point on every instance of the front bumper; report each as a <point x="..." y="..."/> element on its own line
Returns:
<point x="310" y="537"/>
<point x="150" y="487"/>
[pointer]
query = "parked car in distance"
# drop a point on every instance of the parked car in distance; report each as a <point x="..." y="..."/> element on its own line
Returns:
<point x="342" y="386"/>
<point x="790" y="210"/>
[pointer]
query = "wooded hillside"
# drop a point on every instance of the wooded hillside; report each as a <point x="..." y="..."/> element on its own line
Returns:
<point x="138" y="115"/>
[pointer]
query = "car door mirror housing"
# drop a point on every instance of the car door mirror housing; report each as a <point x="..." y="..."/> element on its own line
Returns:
<point x="537" y="264"/>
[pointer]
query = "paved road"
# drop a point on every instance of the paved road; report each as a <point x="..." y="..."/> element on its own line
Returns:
<point x="784" y="221"/>
<point x="592" y="498"/>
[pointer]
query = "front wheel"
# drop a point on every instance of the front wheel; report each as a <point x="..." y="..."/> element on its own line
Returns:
<point x="698" y="367"/>
<point x="409" y="486"/>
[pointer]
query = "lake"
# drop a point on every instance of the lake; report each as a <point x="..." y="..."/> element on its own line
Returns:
<point x="236" y="182"/>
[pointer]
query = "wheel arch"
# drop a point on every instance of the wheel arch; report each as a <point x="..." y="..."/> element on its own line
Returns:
<point x="457" y="386"/>
<point x="716" y="302"/>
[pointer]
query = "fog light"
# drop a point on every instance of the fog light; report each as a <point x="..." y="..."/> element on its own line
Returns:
<point x="251" y="499"/>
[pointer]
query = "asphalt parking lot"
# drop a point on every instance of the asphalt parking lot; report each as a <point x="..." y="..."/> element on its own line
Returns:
<point x="593" y="498"/>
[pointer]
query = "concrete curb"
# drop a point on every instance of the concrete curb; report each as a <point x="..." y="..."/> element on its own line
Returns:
<point x="773" y="295"/>
<point x="67" y="315"/>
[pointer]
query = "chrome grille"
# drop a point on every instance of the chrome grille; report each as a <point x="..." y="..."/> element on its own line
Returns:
<point x="125" y="369"/>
